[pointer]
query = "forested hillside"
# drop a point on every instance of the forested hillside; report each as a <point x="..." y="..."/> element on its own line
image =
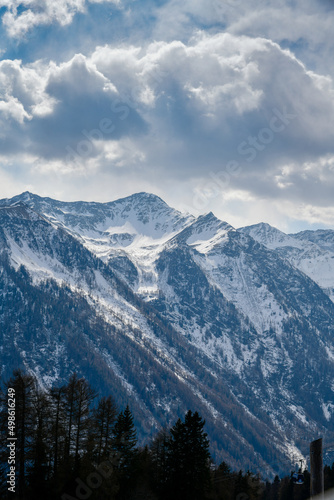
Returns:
<point x="71" y="444"/>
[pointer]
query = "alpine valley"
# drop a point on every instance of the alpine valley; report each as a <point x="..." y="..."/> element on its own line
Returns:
<point x="169" y="312"/>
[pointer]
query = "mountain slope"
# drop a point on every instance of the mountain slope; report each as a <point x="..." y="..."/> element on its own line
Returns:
<point x="96" y="326"/>
<point x="312" y="252"/>
<point x="172" y="312"/>
<point x="257" y="315"/>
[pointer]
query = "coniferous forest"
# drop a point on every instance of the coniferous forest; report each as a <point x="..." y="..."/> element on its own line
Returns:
<point x="70" y="444"/>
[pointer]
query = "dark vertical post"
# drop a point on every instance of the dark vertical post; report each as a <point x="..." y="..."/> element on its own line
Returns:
<point x="317" y="472"/>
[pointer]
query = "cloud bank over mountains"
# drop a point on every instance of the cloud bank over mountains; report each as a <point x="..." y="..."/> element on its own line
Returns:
<point x="218" y="106"/>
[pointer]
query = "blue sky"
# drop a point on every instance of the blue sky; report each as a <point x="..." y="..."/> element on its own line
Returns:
<point x="213" y="105"/>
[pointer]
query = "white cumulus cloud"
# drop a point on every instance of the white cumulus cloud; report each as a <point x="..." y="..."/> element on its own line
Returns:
<point x="24" y="15"/>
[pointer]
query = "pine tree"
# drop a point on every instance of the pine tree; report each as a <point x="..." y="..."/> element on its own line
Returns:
<point x="125" y="438"/>
<point x="223" y="482"/>
<point x="188" y="459"/>
<point x="124" y="446"/>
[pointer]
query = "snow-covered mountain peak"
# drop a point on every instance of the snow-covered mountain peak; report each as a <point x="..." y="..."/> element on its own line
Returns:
<point x="204" y="233"/>
<point x="209" y="222"/>
<point x="142" y="213"/>
<point x="22" y="198"/>
<point x="27" y="198"/>
<point x="18" y="210"/>
<point x="270" y="236"/>
<point x="141" y="200"/>
<point x="312" y="252"/>
<point x="148" y="214"/>
<point x="324" y="238"/>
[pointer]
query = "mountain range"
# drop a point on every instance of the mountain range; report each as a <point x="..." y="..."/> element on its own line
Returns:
<point x="169" y="312"/>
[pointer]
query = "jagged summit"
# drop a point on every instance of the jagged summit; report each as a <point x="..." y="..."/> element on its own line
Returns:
<point x="204" y="233"/>
<point x="260" y="228"/>
<point x="324" y="238"/>
<point x="23" y="197"/>
<point x="134" y="222"/>
<point x="18" y="210"/>
<point x="211" y="219"/>
<point x="141" y="197"/>
<point x="140" y="207"/>
<point x="146" y="208"/>
<point x="268" y="235"/>
<point x="134" y="199"/>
